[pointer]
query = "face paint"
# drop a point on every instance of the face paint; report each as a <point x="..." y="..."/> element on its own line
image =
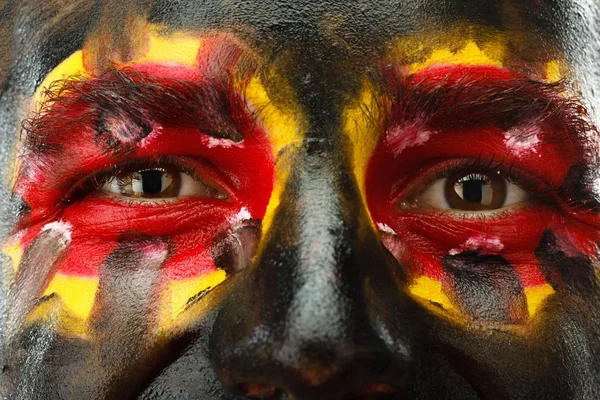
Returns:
<point x="122" y="127"/>
<point x="334" y="201"/>
<point x="424" y="138"/>
<point x="37" y="266"/>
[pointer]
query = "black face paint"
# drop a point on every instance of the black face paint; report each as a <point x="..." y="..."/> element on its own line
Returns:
<point x="485" y="288"/>
<point x="576" y="274"/>
<point x="18" y="207"/>
<point x="323" y="296"/>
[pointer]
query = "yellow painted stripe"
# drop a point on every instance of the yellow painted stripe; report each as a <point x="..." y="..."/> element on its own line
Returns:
<point x="363" y="121"/>
<point x="77" y="293"/>
<point x="53" y="312"/>
<point x="72" y="65"/>
<point x="536" y="295"/>
<point x="284" y="128"/>
<point x="175" y="295"/>
<point x="470" y="54"/>
<point x="173" y="47"/>
<point x="553" y="71"/>
<point x="430" y="291"/>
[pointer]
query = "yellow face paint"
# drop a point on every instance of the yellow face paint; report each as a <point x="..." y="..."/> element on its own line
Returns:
<point x="284" y="128"/>
<point x="462" y="45"/>
<point x="363" y="120"/>
<point x="553" y="71"/>
<point x="76" y="292"/>
<point x="71" y="66"/>
<point x="53" y="312"/>
<point x="470" y="54"/>
<point x="176" y="294"/>
<point x="176" y="48"/>
<point x="429" y="292"/>
<point x="536" y="296"/>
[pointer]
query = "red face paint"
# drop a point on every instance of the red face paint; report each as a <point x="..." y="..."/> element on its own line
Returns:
<point x="155" y="113"/>
<point x="457" y="117"/>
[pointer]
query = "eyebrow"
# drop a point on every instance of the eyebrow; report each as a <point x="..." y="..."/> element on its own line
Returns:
<point x="465" y="98"/>
<point x="135" y="101"/>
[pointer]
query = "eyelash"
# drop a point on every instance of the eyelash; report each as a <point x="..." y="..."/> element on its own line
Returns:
<point x="93" y="182"/>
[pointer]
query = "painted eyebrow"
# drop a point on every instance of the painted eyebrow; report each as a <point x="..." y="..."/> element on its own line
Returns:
<point x="137" y="100"/>
<point x="464" y="98"/>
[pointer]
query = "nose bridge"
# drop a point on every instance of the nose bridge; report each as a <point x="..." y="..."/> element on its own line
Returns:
<point x="301" y="316"/>
<point x="325" y="224"/>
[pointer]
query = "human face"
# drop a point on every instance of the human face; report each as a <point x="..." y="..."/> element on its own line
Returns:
<point x="307" y="200"/>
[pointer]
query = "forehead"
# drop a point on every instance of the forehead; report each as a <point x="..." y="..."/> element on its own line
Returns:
<point x="325" y="34"/>
<point x="323" y="47"/>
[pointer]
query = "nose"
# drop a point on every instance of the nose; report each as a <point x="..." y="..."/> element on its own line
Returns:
<point x="321" y="313"/>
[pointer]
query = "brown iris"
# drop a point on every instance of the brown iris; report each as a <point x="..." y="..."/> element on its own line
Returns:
<point x="151" y="183"/>
<point x="475" y="191"/>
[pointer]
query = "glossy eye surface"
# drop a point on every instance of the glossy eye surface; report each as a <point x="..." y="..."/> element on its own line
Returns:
<point x="469" y="190"/>
<point x="159" y="182"/>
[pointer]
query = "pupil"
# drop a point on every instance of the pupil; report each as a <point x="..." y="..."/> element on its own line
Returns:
<point x="473" y="191"/>
<point x="152" y="181"/>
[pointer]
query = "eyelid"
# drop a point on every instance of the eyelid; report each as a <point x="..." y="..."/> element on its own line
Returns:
<point x="199" y="169"/>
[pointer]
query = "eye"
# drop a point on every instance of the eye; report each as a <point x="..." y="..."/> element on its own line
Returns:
<point x="469" y="190"/>
<point x="159" y="182"/>
<point x="148" y="180"/>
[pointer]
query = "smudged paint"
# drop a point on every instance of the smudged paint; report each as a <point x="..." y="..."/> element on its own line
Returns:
<point x="38" y="264"/>
<point x="521" y="142"/>
<point x="483" y="244"/>
<point x="385" y="228"/>
<point x="485" y="288"/>
<point x="120" y="131"/>
<point x="212" y="142"/>
<point x="407" y="135"/>
<point x="61" y="229"/>
<point x="565" y="273"/>
<point x="242" y="215"/>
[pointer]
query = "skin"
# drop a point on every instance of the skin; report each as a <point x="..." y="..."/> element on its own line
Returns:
<point x="315" y="256"/>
